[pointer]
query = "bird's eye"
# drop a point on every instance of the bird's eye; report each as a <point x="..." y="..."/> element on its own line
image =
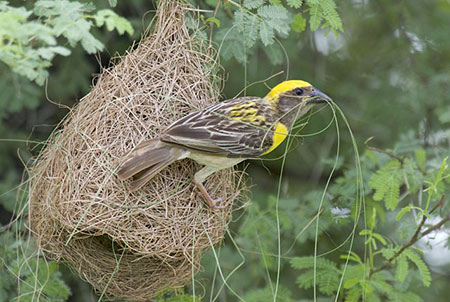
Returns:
<point x="298" y="91"/>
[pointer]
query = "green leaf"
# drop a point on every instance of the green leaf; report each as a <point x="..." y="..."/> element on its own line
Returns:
<point x="330" y="14"/>
<point x="420" y="155"/>
<point x="266" y="295"/>
<point x="276" y="2"/>
<point x="308" y="262"/>
<point x="354" y="294"/>
<point x="276" y="17"/>
<point x="214" y="20"/>
<point x="247" y="26"/>
<point x="212" y="3"/>
<point x="323" y="10"/>
<point x="402" y="268"/>
<point x="113" y="21"/>
<point x="233" y="45"/>
<point x="112" y="3"/>
<point x="378" y="282"/>
<point x="298" y="23"/>
<point x="266" y="34"/>
<point x="388" y="252"/>
<point x="328" y="282"/>
<point x="295" y="3"/>
<point x="371" y="217"/>
<point x="379" y="238"/>
<point x="407" y="209"/>
<point x="441" y="170"/>
<point x="354" y="274"/>
<point x="315" y="17"/>
<point x="327" y="274"/>
<point x="251" y="4"/>
<point x="90" y="44"/>
<point x="352" y="257"/>
<point x="421" y="266"/>
<point x="386" y="182"/>
<point x="365" y="232"/>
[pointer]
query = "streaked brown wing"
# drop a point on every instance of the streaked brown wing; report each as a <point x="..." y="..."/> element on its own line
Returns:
<point x="233" y="128"/>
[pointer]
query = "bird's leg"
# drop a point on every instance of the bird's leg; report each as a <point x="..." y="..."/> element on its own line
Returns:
<point x="199" y="177"/>
<point x="211" y="202"/>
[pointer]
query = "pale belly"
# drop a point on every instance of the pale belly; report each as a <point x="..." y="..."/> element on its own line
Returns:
<point x="213" y="161"/>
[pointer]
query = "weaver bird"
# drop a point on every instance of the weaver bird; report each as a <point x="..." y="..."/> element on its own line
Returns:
<point x="224" y="134"/>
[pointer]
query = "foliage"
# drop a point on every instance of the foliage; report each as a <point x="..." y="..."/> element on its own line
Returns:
<point x="378" y="275"/>
<point x="388" y="72"/>
<point x="38" y="279"/>
<point x="256" y="24"/>
<point x="32" y="38"/>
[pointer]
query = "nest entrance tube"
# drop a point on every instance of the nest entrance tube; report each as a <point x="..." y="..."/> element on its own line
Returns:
<point x="132" y="245"/>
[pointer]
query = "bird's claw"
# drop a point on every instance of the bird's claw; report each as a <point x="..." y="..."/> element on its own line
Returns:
<point x="211" y="202"/>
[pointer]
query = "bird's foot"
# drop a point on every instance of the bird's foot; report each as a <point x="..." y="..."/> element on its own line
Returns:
<point x="211" y="202"/>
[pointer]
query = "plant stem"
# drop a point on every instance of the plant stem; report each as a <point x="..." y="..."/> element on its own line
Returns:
<point x="234" y="3"/>
<point x="390" y="154"/>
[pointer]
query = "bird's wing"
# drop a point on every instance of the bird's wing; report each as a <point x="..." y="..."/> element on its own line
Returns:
<point x="240" y="127"/>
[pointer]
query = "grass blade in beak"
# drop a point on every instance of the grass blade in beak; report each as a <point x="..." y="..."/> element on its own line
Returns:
<point x="317" y="96"/>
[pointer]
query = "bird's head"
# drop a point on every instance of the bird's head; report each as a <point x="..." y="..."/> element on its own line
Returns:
<point x="294" y="98"/>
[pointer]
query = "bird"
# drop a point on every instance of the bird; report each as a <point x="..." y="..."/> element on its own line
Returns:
<point x="223" y="135"/>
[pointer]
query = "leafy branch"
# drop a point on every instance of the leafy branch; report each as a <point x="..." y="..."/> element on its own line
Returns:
<point x="254" y="21"/>
<point x="415" y="237"/>
<point x="379" y="150"/>
<point x="30" y="39"/>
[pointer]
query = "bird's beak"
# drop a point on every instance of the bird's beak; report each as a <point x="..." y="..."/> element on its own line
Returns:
<point x="317" y="96"/>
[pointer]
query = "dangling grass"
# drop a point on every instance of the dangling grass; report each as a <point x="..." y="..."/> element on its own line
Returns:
<point x="275" y="284"/>
<point x="358" y="198"/>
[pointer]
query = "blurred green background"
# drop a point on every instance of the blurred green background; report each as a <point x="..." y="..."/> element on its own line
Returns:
<point x="389" y="72"/>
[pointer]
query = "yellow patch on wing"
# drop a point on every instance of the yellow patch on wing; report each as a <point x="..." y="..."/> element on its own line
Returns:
<point x="286" y="86"/>
<point x="247" y="112"/>
<point x="279" y="135"/>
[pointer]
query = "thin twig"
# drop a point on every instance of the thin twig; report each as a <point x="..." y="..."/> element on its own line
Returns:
<point x="234" y="3"/>
<point x="390" y="154"/>
<point x="212" y="24"/>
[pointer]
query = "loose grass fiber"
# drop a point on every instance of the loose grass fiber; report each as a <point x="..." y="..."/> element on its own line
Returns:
<point x="132" y="245"/>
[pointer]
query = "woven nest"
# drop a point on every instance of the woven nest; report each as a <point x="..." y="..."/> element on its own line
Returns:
<point x="132" y="245"/>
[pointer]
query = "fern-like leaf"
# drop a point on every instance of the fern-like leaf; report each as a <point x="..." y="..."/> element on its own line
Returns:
<point x="308" y="262"/>
<point x="354" y="294"/>
<point x="315" y="17"/>
<point x="275" y="17"/>
<point x="386" y="182"/>
<point x="421" y="158"/>
<point x="247" y="25"/>
<point x="276" y="2"/>
<point x="328" y="282"/>
<point x="421" y="266"/>
<point x="295" y="3"/>
<point x="266" y="33"/>
<point x="330" y="14"/>
<point x="388" y="252"/>
<point x="323" y="10"/>
<point x="298" y="23"/>
<point x="401" y="269"/>
<point x="251" y="4"/>
<point x="379" y="283"/>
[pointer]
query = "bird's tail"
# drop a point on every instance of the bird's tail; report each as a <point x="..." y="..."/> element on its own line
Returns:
<point x="147" y="160"/>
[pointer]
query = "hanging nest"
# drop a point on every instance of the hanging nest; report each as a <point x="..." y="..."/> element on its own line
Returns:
<point x="132" y="245"/>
